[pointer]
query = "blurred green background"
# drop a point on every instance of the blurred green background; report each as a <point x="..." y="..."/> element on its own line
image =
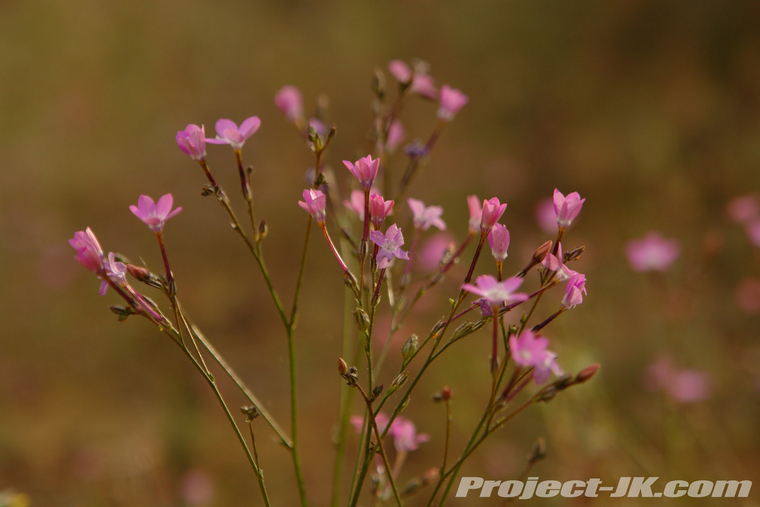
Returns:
<point x="649" y="109"/>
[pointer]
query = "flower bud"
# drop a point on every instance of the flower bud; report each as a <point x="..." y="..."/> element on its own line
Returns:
<point x="342" y="367"/>
<point x="410" y="348"/>
<point x="250" y="412"/>
<point x="586" y="373"/>
<point x="542" y="252"/>
<point x="398" y="382"/>
<point x="361" y="319"/>
<point x="138" y="273"/>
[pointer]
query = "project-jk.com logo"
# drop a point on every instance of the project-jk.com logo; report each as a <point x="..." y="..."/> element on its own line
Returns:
<point x="630" y="487"/>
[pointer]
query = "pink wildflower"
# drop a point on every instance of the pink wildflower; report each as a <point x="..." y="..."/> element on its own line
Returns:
<point x="530" y="351"/>
<point x="116" y="272"/>
<point x="365" y="170"/>
<point x="89" y="253"/>
<point x="154" y="214"/>
<point x="356" y="202"/>
<point x="476" y="213"/>
<point x="390" y="246"/>
<point x="553" y="263"/>
<point x="498" y="238"/>
<point x="396" y="135"/>
<point x="492" y="212"/>
<point x="743" y="209"/>
<point x="227" y="132"/>
<point x="425" y="217"/>
<point x="452" y="100"/>
<point x="497" y="293"/>
<point x="574" y="292"/>
<point x="567" y="208"/>
<point x="405" y="437"/>
<point x="431" y="253"/>
<point x="652" y="253"/>
<point x="418" y="80"/>
<point x="546" y="216"/>
<point x="683" y="386"/>
<point x="192" y="141"/>
<point x="379" y="208"/>
<point x="400" y="71"/>
<point x="314" y="202"/>
<point x="288" y="100"/>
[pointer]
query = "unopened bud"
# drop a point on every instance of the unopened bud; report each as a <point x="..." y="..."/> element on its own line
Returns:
<point x="378" y="84"/>
<point x="376" y="392"/>
<point x="443" y="395"/>
<point x="263" y="229"/>
<point x="361" y="319"/>
<point x="574" y="255"/>
<point x="342" y="367"/>
<point x="330" y="134"/>
<point x="138" y="273"/>
<point x="410" y="348"/>
<point x="538" y="452"/>
<point x="250" y="413"/>
<point x="398" y="382"/>
<point x="430" y="476"/>
<point x="542" y="251"/>
<point x="586" y="373"/>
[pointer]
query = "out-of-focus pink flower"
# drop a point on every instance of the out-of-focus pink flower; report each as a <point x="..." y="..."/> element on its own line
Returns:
<point x="476" y="213"/>
<point x="192" y="141"/>
<point x="530" y="350"/>
<point x="546" y="217"/>
<point x="497" y="293"/>
<point x="365" y="170"/>
<point x="425" y="217"/>
<point x="390" y="245"/>
<point x="356" y="202"/>
<point x="652" y="253"/>
<point x="288" y="100"/>
<point x="743" y="209"/>
<point x="154" y="214"/>
<point x="116" y="272"/>
<point x="567" y="208"/>
<point x="227" y="132"/>
<point x="420" y="83"/>
<point x="683" y="386"/>
<point x="89" y="254"/>
<point x="753" y="232"/>
<point x="381" y="420"/>
<point x="400" y="71"/>
<point x="747" y="295"/>
<point x="379" y="208"/>
<point x="318" y="125"/>
<point x="452" y="100"/>
<point x="429" y="256"/>
<point x="314" y="202"/>
<point x="498" y="238"/>
<point x="405" y="437"/>
<point x="424" y="86"/>
<point x="486" y="310"/>
<point x="396" y="136"/>
<point x="491" y="213"/>
<point x="574" y="292"/>
<point x="197" y="488"/>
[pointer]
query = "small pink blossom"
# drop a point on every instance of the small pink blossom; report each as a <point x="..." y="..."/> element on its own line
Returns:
<point x="492" y="212"/>
<point x="682" y="385"/>
<point x="530" y="350"/>
<point x="379" y="208"/>
<point x="452" y="100"/>
<point x="116" y="272"/>
<point x="743" y="209"/>
<point x="154" y="214"/>
<point x="554" y="263"/>
<point x="192" y="141"/>
<point x="652" y="253"/>
<point x="419" y="82"/>
<point x="318" y="125"/>
<point x="546" y="216"/>
<point x="400" y="71"/>
<point x="405" y="437"/>
<point x="424" y="86"/>
<point x="753" y="232"/>
<point x="288" y="100"/>
<point x="430" y="255"/>
<point x="497" y="293"/>
<point x="476" y="213"/>
<point x="498" y="238"/>
<point x="89" y="254"/>
<point x="426" y="217"/>
<point x="227" y="132"/>
<point x="567" y="208"/>
<point x="365" y="170"/>
<point x="314" y="202"/>
<point x="356" y="201"/>
<point x="381" y="420"/>
<point x="574" y="292"/>
<point x="197" y="488"/>
<point x="396" y="135"/>
<point x="390" y="245"/>
<point x="486" y="310"/>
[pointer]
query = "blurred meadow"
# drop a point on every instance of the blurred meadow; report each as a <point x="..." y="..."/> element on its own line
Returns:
<point x="649" y="109"/>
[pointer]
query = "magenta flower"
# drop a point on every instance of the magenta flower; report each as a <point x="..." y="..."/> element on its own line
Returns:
<point x="89" y="254"/>
<point x="379" y="208"/>
<point x="546" y="216"/>
<point x="424" y="86"/>
<point x="497" y="293"/>
<point x="116" y="272"/>
<point x="567" y="208"/>
<point x="396" y="136"/>
<point x="400" y="71"/>
<point x="356" y="202"/>
<point x="314" y="201"/>
<point x="452" y="100"/>
<point x="390" y="246"/>
<point x="365" y="170"/>
<point x="476" y="213"/>
<point x="498" y="238"/>
<point x="288" y="100"/>
<point x="553" y="263"/>
<point x="743" y="209"/>
<point x="154" y="214"/>
<point x="405" y="437"/>
<point x="492" y="212"/>
<point x="227" y="132"/>
<point x="486" y="310"/>
<point x="529" y="351"/>
<point x="424" y="217"/>
<point x="420" y="83"/>
<point x="574" y="292"/>
<point x="652" y="253"/>
<point x="192" y="141"/>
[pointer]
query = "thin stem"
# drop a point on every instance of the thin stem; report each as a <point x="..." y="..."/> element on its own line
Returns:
<point x="448" y="434"/>
<point x="260" y="472"/>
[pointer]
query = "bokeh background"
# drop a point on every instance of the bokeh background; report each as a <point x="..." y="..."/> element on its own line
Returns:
<point x="650" y="109"/>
